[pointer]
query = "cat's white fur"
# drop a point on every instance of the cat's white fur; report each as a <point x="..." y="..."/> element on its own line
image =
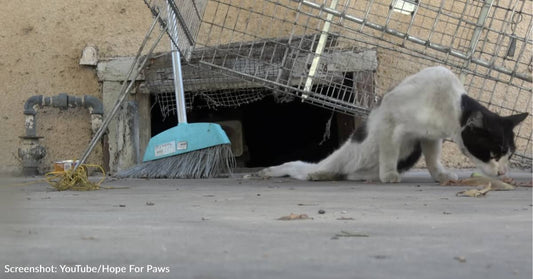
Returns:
<point x="424" y="107"/>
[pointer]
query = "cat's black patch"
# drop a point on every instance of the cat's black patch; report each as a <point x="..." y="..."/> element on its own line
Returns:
<point x="481" y="144"/>
<point x="485" y="134"/>
<point x="408" y="162"/>
<point x="360" y="134"/>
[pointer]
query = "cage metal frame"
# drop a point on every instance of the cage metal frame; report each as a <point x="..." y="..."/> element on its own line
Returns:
<point x="305" y="48"/>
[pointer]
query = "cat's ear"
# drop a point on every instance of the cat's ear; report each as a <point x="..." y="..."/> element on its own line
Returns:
<point x="475" y="119"/>
<point x="517" y="118"/>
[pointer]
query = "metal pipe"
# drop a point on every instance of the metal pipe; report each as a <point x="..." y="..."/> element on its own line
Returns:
<point x="31" y="103"/>
<point x="181" y="110"/>
<point x="61" y="101"/>
<point x="133" y="72"/>
<point x="30" y="111"/>
<point x="93" y="104"/>
<point x="31" y="151"/>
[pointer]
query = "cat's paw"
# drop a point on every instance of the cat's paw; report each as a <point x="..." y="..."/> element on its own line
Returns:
<point x="265" y="173"/>
<point x="390" y="177"/>
<point x="325" y="176"/>
<point x="255" y="175"/>
<point x="445" y="176"/>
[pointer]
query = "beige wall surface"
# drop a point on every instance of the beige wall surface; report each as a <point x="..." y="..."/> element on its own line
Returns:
<point x="41" y="42"/>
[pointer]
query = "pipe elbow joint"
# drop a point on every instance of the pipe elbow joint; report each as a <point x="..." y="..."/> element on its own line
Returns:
<point x="94" y="105"/>
<point x="31" y="103"/>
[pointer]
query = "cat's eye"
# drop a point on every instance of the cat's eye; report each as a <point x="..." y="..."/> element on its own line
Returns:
<point x="495" y="157"/>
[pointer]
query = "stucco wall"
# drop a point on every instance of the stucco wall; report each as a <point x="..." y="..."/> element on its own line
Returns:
<point x="41" y="43"/>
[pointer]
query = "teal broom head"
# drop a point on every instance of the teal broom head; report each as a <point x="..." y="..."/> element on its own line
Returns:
<point x="197" y="150"/>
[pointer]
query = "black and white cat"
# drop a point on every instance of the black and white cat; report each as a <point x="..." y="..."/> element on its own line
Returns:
<point x="412" y="120"/>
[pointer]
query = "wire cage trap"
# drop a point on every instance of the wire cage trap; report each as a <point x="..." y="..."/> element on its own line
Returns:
<point x="344" y="54"/>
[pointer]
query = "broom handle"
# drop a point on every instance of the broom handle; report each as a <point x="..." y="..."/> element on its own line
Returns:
<point x="176" y="67"/>
<point x="133" y="72"/>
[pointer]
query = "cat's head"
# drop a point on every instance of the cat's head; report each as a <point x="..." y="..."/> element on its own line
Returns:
<point x="488" y="139"/>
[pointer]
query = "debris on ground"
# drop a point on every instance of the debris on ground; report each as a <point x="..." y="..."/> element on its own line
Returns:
<point x="345" y="218"/>
<point x="349" y="234"/>
<point x="460" y="259"/>
<point x="293" y="216"/>
<point x="479" y="180"/>
<point x="510" y="180"/>
<point x="88" y="238"/>
<point x="485" y="185"/>
<point x="75" y="179"/>
<point x="476" y="193"/>
<point x="525" y="184"/>
<point x="321" y="211"/>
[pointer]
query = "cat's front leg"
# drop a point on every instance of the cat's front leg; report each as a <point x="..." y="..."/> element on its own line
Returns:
<point x="431" y="150"/>
<point x="390" y="176"/>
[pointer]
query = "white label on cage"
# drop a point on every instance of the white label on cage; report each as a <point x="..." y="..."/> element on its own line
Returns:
<point x="404" y="6"/>
<point x="182" y="145"/>
<point x="165" y="148"/>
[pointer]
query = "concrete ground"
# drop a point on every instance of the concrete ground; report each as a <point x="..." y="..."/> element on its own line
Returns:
<point x="229" y="228"/>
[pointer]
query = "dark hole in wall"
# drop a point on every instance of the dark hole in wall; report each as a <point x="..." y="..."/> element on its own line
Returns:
<point x="277" y="133"/>
<point x="273" y="132"/>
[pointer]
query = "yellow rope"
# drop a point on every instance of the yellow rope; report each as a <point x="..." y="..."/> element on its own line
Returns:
<point x="77" y="180"/>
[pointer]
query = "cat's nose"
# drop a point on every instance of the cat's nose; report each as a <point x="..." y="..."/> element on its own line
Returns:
<point x="500" y="173"/>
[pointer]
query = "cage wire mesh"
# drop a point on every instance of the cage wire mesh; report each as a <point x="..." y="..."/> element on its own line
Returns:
<point x="188" y="14"/>
<point x="344" y="54"/>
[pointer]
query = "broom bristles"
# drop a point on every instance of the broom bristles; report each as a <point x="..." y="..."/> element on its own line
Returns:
<point x="203" y="163"/>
